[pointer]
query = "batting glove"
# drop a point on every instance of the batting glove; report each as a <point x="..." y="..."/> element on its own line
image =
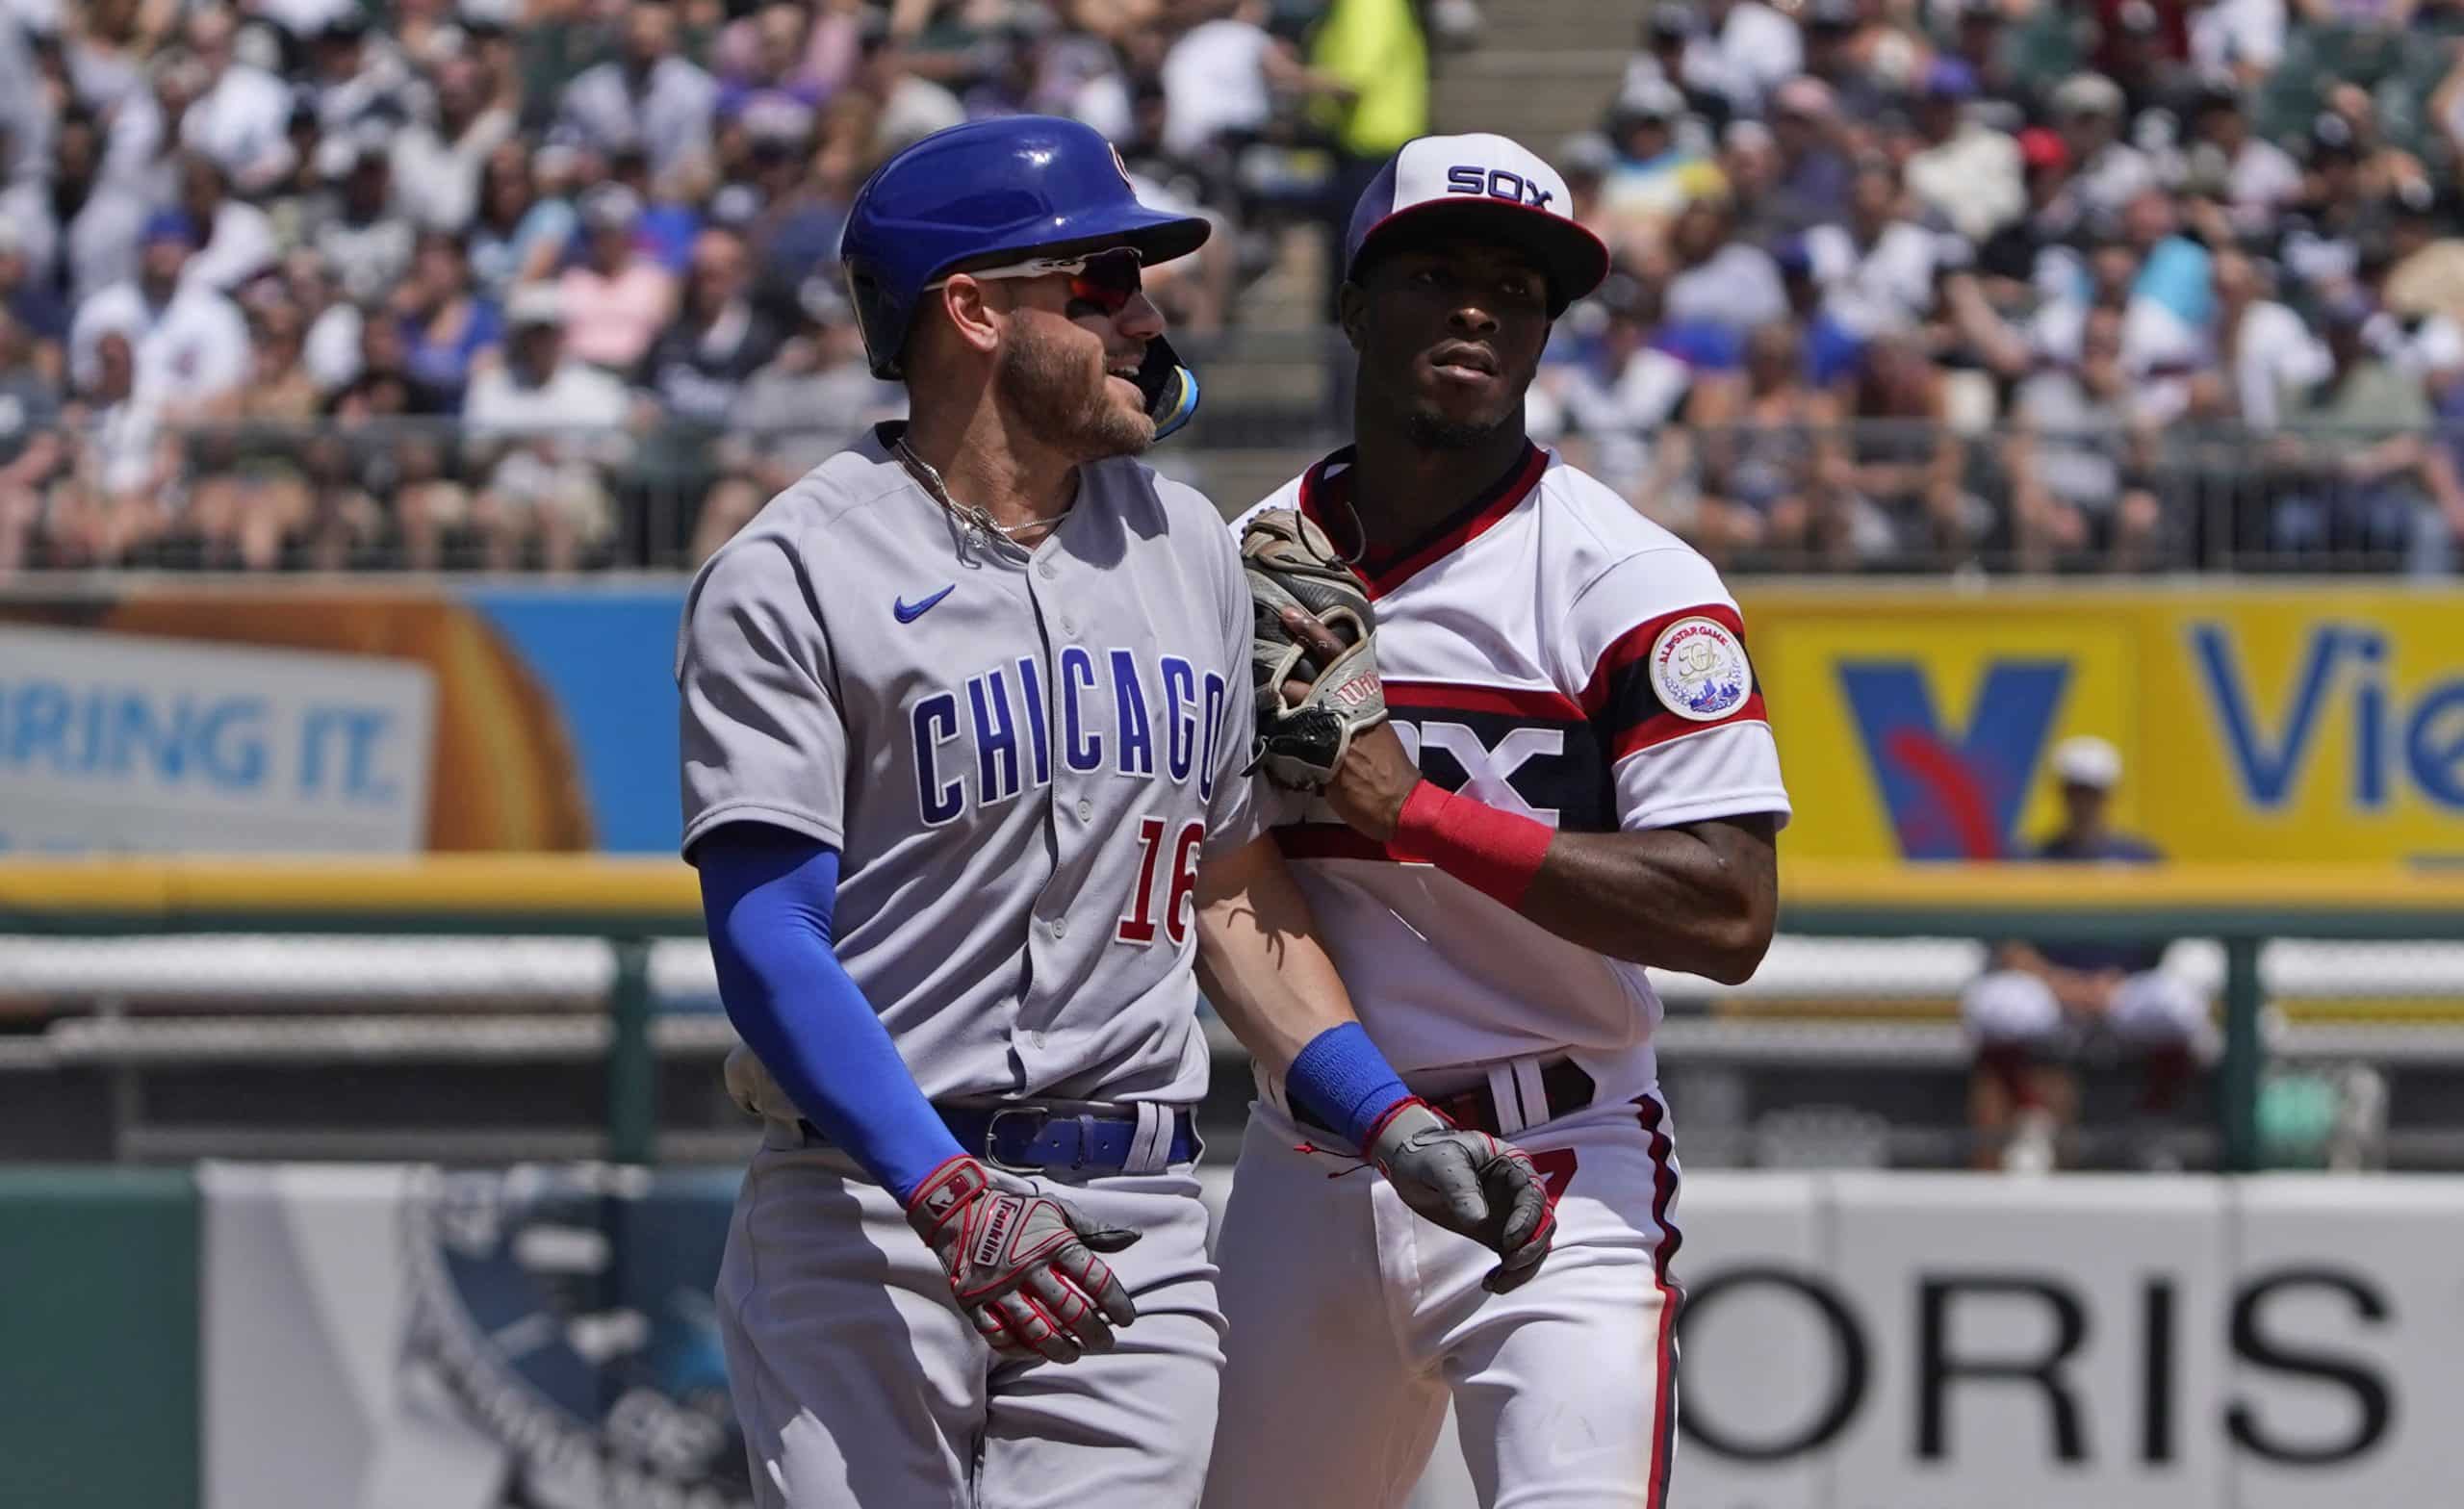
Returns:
<point x="1468" y="1183"/>
<point x="1021" y="1263"/>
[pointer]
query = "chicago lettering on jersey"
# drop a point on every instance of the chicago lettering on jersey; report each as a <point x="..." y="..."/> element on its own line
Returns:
<point x="999" y="732"/>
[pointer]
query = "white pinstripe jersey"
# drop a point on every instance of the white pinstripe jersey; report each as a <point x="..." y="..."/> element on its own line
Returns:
<point x="1551" y="652"/>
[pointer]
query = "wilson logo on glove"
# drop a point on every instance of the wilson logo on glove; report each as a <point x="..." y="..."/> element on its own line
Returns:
<point x="1292" y="568"/>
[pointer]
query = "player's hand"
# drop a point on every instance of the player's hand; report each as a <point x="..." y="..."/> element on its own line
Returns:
<point x="1021" y="1263"/>
<point x="1375" y="775"/>
<point x="1468" y="1183"/>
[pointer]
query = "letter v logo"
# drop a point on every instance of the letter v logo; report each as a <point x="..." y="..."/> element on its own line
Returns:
<point x="2267" y="773"/>
<point x="1954" y="796"/>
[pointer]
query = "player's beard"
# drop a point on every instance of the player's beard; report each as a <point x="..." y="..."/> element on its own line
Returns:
<point x="1064" y="398"/>
<point x="1431" y="431"/>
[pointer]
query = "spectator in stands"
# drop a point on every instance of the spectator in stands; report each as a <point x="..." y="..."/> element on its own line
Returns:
<point x="2259" y="177"/>
<point x="2364" y="482"/>
<point x="440" y="158"/>
<point x="446" y="321"/>
<point x="239" y="237"/>
<point x="1904" y="476"/>
<point x="187" y="342"/>
<point x="33" y="449"/>
<point x="354" y="225"/>
<point x="2141" y="53"/>
<point x="95" y="219"/>
<point x="1982" y="37"/>
<point x="617" y="298"/>
<point x="2038" y="1003"/>
<point x="145" y="132"/>
<point x="647" y="96"/>
<point x="1876" y="267"/>
<point x="1965" y="171"/>
<point x="544" y="427"/>
<point x="251" y="491"/>
<point x="1606" y="390"/>
<point x="1220" y="77"/>
<point x="123" y="490"/>
<point x="241" y="119"/>
<point x="1814" y="166"/>
<point x="1832" y="352"/>
<point x="695" y="374"/>
<point x="1748" y="163"/>
<point x="2262" y="348"/>
<point x="25" y="211"/>
<point x="2244" y="37"/>
<point x="1772" y="459"/>
<point x="2076" y="456"/>
<point x="354" y="78"/>
<point x="1719" y="280"/>
<point x="105" y="54"/>
<point x="780" y="63"/>
<point x="1752" y="48"/>
<point x="2322" y="231"/>
<point x="1675" y="51"/>
<point x="39" y="314"/>
<point x="2426" y="260"/>
<point x="1656" y="174"/>
<point x="519" y="235"/>
<point x="808" y="404"/>
<point x="2107" y="172"/>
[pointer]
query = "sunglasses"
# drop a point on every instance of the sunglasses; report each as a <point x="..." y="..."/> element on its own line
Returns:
<point x="1106" y="279"/>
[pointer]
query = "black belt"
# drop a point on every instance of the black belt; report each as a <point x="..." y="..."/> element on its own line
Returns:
<point x="1563" y="1085"/>
<point x="1032" y="1135"/>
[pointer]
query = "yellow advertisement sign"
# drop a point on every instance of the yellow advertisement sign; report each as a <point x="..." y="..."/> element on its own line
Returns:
<point x="2260" y="723"/>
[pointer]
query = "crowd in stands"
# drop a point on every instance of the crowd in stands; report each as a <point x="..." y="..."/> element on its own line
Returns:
<point x="2051" y="284"/>
<point x="2114" y="285"/>
<point x="315" y="283"/>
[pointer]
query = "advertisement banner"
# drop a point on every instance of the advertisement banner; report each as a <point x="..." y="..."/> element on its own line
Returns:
<point x="2284" y="725"/>
<point x="398" y="1338"/>
<point x="128" y="741"/>
<point x="261" y="717"/>
<point x="542" y="1338"/>
<point x="2256" y="723"/>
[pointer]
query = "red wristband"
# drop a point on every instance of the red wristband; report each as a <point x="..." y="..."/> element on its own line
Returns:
<point x="1492" y="851"/>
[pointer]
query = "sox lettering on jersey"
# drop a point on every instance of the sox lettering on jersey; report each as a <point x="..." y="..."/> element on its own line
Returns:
<point x="1488" y="770"/>
<point x="1113" y="710"/>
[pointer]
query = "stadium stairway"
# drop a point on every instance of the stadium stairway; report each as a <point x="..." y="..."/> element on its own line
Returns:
<point x="1542" y="71"/>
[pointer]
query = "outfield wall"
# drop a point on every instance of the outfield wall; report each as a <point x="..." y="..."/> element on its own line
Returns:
<point x="328" y="1337"/>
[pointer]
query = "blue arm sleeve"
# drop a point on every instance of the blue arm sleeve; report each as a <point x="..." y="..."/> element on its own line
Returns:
<point x="766" y="898"/>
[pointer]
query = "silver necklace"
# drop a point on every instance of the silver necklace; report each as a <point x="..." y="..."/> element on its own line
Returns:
<point x="977" y="521"/>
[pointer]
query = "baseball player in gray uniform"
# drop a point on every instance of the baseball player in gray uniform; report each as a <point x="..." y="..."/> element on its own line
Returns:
<point x="966" y="717"/>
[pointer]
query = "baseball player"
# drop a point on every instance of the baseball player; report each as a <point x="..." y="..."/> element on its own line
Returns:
<point x="963" y="729"/>
<point x="1576" y="780"/>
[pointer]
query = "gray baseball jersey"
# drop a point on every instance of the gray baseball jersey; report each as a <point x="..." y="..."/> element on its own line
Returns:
<point x="1021" y="757"/>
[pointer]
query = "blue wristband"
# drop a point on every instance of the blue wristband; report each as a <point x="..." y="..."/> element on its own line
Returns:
<point x="1343" y="1077"/>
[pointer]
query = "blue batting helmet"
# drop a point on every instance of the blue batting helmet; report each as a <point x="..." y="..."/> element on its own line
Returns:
<point x="1014" y="184"/>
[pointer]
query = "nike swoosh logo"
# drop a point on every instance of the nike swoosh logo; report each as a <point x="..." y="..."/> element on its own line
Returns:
<point x="908" y="612"/>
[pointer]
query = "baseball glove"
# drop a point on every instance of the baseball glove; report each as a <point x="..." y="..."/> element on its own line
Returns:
<point x="1301" y="738"/>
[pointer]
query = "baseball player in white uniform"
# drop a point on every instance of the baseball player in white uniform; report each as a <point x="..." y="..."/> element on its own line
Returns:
<point x="964" y="728"/>
<point x="1576" y="781"/>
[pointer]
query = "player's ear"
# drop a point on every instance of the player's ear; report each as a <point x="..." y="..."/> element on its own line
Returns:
<point x="1351" y="311"/>
<point x="970" y="314"/>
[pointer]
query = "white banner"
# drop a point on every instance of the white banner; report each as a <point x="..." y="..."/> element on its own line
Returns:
<point x="122" y="742"/>
<point x="391" y="1339"/>
<point x="1960" y="1341"/>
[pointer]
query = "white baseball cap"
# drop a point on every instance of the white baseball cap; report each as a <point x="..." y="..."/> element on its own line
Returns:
<point x="2087" y="760"/>
<point x="1509" y="190"/>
